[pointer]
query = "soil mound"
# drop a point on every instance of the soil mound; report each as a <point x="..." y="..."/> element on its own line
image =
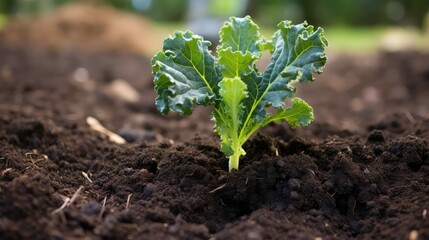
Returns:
<point x="83" y="26"/>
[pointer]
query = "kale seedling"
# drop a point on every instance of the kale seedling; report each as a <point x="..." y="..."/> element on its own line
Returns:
<point x="186" y="73"/>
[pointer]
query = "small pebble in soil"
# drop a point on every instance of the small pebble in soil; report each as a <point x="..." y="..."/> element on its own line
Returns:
<point x="91" y="208"/>
<point x="137" y="135"/>
<point x="414" y="235"/>
<point x="311" y="172"/>
<point x="355" y="227"/>
<point x="328" y="185"/>
<point x="294" y="195"/>
<point x="173" y="229"/>
<point x="148" y="189"/>
<point x="254" y="235"/>
<point x="294" y="184"/>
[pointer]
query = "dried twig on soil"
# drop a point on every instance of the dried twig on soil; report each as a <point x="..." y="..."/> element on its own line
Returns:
<point x="103" y="208"/>
<point x="68" y="201"/>
<point x="6" y="171"/>
<point x="36" y="157"/>
<point x="276" y="151"/>
<point x="409" y="117"/>
<point x="128" y="201"/>
<point x="86" y="176"/>
<point x="75" y="195"/>
<point x="218" y="188"/>
<point x="354" y="207"/>
<point x="123" y="90"/>
<point x="60" y="209"/>
<point x="95" y="125"/>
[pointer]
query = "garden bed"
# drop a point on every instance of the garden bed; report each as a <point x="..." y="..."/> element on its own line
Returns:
<point x="361" y="170"/>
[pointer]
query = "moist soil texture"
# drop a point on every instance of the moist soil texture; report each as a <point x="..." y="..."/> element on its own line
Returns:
<point x="360" y="171"/>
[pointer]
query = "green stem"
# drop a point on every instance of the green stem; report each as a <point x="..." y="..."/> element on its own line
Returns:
<point x="234" y="160"/>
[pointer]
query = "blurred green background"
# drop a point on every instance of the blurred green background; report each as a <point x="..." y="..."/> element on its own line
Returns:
<point x="319" y="12"/>
<point x="352" y="25"/>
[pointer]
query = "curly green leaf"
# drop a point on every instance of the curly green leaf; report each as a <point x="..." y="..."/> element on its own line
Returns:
<point x="185" y="74"/>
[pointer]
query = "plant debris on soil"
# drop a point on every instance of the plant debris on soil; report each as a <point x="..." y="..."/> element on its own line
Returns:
<point x="361" y="171"/>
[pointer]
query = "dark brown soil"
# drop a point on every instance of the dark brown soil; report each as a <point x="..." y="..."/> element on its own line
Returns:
<point x="361" y="171"/>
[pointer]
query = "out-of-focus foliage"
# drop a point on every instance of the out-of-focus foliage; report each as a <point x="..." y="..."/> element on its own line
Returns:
<point x="160" y="10"/>
<point x="426" y="23"/>
<point x="226" y="8"/>
<point x="6" y="6"/>
<point x="340" y="12"/>
<point x="2" y="20"/>
<point x="28" y="6"/>
<point x="268" y="12"/>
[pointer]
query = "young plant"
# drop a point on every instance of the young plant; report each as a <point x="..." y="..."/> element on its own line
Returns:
<point x="186" y="73"/>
